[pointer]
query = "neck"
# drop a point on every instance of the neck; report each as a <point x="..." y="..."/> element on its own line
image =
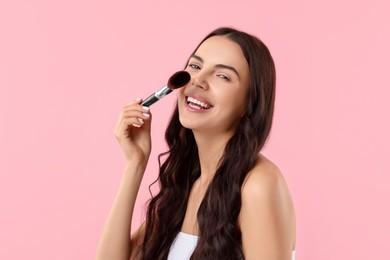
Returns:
<point x="210" y="150"/>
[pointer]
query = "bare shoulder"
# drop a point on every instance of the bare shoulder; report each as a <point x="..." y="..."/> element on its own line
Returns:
<point x="267" y="213"/>
<point x="266" y="185"/>
<point x="263" y="178"/>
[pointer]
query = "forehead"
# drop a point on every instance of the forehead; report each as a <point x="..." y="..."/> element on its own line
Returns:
<point x="222" y="50"/>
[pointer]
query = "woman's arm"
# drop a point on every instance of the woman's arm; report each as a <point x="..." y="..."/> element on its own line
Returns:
<point x="115" y="242"/>
<point x="267" y="218"/>
<point x="133" y="136"/>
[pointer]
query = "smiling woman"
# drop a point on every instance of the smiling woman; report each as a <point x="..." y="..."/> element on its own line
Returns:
<point x="220" y="78"/>
<point x="220" y="198"/>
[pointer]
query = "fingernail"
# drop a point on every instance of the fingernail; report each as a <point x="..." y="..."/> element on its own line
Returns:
<point x="147" y="115"/>
<point x="135" y="125"/>
<point x="145" y="108"/>
<point x="138" y="99"/>
<point x="141" y="120"/>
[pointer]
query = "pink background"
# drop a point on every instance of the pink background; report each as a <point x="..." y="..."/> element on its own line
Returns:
<point x="67" y="68"/>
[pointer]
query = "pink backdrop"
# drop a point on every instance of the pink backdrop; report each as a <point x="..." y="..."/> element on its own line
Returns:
<point x="67" y="67"/>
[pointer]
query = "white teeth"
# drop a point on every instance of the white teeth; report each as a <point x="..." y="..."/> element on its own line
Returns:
<point x="197" y="102"/>
<point x="193" y="106"/>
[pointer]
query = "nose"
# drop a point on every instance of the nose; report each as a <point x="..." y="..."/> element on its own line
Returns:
<point x="200" y="80"/>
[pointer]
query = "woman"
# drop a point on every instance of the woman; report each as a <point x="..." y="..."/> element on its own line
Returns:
<point x="220" y="198"/>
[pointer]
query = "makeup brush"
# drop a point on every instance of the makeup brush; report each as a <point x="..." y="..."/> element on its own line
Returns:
<point x="177" y="80"/>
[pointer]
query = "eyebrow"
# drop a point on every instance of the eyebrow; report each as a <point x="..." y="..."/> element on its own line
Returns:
<point x="223" y="66"/>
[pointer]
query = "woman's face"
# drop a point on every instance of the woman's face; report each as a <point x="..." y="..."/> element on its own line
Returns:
<point x="216" y="96"/>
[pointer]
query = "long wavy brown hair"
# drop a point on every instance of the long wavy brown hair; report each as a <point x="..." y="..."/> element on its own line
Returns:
<point x="219" y="233"/>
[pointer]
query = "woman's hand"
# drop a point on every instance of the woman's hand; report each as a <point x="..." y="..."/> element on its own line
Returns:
<point x="132" y="131"/>
<point x="133" y="134"/>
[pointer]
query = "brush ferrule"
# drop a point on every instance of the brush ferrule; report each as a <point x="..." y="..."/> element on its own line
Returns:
<point x="162" y="92"/>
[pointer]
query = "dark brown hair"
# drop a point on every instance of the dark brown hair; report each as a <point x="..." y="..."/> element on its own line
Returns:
<point x="219" y="233"/>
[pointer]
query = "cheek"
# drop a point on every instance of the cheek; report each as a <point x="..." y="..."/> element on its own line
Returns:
<point x="180" y="99"/>
<point x="236" y="98"/>
<point x="239" y="103"/>
<point x="180" y="94"/>
<point x="229" y="109"/>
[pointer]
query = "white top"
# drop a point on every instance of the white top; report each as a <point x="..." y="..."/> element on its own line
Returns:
<point x="184" y="245"/>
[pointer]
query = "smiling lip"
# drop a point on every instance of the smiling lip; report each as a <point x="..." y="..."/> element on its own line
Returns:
<point x="196" y="103"/>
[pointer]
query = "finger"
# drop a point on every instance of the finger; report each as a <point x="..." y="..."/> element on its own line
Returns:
<point x="136" y="107"/>
<point x="132" y="114"/>
<point x="130" y="117"/>
<point x="147" y="122"/>
<point x="126" y="124"/>
<point x="135" y="113"/>
<point x="135" y="101"/>
<point x="133" y="110"/>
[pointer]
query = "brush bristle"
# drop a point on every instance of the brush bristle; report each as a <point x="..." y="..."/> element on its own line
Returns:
<point x="179" y="79"/>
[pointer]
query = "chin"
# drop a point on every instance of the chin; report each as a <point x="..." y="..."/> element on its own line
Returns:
<point x="189" y="123"/>
<point x="185" y="122"/>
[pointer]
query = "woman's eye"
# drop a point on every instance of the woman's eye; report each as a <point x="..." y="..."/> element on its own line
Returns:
<point x="223" y="77"/>
<point x="194" y="66"/>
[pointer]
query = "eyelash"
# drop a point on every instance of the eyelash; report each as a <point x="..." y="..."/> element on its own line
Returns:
<point x="193" y="66"/>
<point x="197" y="67"/>
<point x="223" y="77"/>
